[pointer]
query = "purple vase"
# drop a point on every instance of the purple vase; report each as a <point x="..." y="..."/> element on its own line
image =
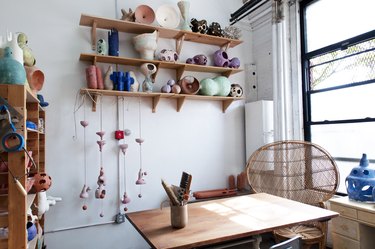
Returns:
<point x="221" y="58"/>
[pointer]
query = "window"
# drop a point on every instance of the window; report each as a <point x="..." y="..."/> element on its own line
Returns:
<point x="338" y="68"/>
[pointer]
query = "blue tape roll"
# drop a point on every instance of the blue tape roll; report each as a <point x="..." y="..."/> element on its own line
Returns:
<point x="17" y="147"/>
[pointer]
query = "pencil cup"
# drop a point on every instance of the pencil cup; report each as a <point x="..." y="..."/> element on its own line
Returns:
<point x="179" y="216"/>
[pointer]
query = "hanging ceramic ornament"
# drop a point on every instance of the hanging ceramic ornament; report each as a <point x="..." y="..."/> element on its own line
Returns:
<point x="140" y="181"/>
<point x="85" y="190"/>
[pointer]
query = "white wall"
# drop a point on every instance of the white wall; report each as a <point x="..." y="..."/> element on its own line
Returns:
<point x="200" y="139"/>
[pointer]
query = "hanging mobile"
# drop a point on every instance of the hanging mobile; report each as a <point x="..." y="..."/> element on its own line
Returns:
<point x="140" y="181"/>
<point x="100" y="191"/>
<point x="85" y="189"/>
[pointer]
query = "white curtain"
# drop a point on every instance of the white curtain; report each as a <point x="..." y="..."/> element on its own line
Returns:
<point x="287" y="88"/>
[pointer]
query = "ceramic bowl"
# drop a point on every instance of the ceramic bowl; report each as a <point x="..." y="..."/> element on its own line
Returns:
<point x="167" y="16"/>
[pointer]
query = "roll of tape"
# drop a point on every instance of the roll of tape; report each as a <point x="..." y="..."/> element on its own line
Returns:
<point x="13" y="142"/>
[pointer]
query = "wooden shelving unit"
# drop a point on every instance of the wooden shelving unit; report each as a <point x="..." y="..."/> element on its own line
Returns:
<point x="180" y="36"/>
<point x="13" y="205"/>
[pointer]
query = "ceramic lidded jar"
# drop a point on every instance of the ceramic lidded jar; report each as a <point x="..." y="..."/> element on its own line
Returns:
<point x="360" y="183"/>
<point x="146" y="44"/>
<point x="11" y="71"/>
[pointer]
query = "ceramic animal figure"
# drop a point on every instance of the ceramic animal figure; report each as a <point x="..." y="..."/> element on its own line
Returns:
<point x="198" y="26"/>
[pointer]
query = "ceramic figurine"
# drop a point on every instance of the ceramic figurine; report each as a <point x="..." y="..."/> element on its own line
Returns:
<point x="101" y="47"/>
<point x="113" y="43"/>
<point x="147" y="69"/>
<point x="198" y="26"/>
<point x="146" y="45"/>
<point x="215" y="29"/>
<point x="11" y="70"/>
<point x="221" y="58"/>
<point x="168" y="55"/>
<point x="108" y="84"/>
<point x="28" y="57"/>
<point x="184" y="10"/>
<point x="127" y="16"/>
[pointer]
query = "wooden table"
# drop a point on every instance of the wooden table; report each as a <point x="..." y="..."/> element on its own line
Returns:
<point x="222" y="220"/>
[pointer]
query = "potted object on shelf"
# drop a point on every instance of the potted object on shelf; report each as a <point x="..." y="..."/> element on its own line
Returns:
<point x="360" y="183"/>
<point x="218" y="86"/>
<point x="189" y="85"/>
<point x="199" y="59"/>
<point x="184" y="10"/>
<point x="199" y="26"/>
<point x="167" y="16"/>
<point x="35" y="78"/>
<point x="146" y="44"/>
<point x="144" y="14"/>
<point x="11" y="71"/>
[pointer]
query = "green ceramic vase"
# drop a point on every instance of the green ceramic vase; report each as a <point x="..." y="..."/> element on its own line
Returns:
<point x="11" y="71"/>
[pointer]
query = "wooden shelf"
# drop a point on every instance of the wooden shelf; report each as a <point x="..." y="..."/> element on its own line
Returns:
<point x="180" y="98"/>
<point x="96" y="22"/>
<point x="179" y="67"/>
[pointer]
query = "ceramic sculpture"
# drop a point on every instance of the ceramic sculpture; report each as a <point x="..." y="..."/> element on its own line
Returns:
<point x="199" y="26"/>
<point x="215" y="29"/>
<point x="221" y="58"/>
<point x="189" y="85"/>
<point x="236" y="90"/>
<point x="101" y="47"/>
<point x="199" y="59"/>
<point x="144" y="14"/>
<point x="168" y="55"/>
<point x="147" y="69"/>
<point x="113" y="43"/>
<point x="91" y="77"/>
<point x="218" y="86"/>
<point x="167" y="16"/>
<point x="184" y="10"/>
<point x="127" y="16"/>
<point x="28" y="57"/>
<point x="17" y="52"/>
<point x="146" y="45"/>
<point x="135" y="86"/>
<point x="35" y="78"/>
<point x="11" y="70"/>
<point x="108" y="84"/>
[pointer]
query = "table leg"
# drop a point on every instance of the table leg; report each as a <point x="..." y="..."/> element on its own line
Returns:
<point x="256" y="243"/>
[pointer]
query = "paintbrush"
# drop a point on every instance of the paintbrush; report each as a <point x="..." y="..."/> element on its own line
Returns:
<point x="172" y="197"/>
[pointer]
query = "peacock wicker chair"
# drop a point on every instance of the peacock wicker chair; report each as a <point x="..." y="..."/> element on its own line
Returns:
<point x="300" y="171"/>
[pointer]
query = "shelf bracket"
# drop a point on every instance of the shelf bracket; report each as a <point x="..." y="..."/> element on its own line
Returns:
<point x="226" y="104"/>
<point x="179" y="43"/>
<point x="226" y="46"/>
<point x="94" y="100"/>
<point x="93" y="36"/>
<point x="153" y="76"/>
<point x="155" y="102"/>
<point x="227" y="73"/>
<point x="179" y="72"/>
<point x="180" y="102"/>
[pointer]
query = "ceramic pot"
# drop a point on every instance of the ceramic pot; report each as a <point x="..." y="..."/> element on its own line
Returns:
<point x="146" y="44"/>
<point x="11" y="70"/>
<point x="218" y="86"/>
<point x="189" y="85"/>
<point x="221" y="58"/>
<point x="147" y="69"/>
<point x="35" y="78"/>
<point x="184" y="9"/>
<point x="179" y="216"/>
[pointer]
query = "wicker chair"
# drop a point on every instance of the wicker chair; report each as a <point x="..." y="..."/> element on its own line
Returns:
<point x="300" y="171"/>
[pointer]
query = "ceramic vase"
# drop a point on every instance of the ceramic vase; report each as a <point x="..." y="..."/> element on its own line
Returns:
<point x="147" y="69"/>
<point x="11" y="70"/>
<point x="146" y="45"/>
<point x="184" y="10"/>
<point x="135" y="86"/>
<point x="113" y="43"/>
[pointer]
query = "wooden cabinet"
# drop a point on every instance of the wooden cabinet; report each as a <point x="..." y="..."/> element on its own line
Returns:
<point x="13" y="204"/>
<point x="355" y="228"/>
<point x="179" y="36"/>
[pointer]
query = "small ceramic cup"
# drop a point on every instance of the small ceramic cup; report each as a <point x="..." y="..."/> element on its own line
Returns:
<point x="179" y="216"/>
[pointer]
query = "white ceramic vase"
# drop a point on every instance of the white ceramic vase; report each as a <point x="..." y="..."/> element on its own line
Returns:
<point x="13" y="44"/>
<point x="146" y="45"/>
<point x="147" y="69"/>
<point x="184" y="9"/>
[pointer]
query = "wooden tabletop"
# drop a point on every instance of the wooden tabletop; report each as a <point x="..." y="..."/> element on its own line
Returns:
<point x="221" y="220"/>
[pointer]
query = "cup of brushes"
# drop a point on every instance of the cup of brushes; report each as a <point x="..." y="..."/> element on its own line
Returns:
<point x="178" y="199"/>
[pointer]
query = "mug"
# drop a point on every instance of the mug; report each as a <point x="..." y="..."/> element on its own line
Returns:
<point x="179" y="216"/>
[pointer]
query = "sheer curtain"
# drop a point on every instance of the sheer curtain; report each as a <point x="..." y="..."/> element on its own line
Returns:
<point x="287" y="88"/>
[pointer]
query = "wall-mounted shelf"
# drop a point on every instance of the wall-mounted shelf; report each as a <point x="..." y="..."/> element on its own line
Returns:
<point x="180" y="98"/>
<point x="179" y="67"/>
<point x="96" y="22"/>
